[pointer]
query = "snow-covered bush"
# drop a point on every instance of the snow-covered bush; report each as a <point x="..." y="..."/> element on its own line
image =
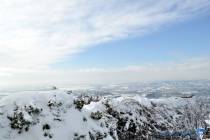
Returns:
<point x="79" y="104"/>
<point x="96" y="115"/>
<point x="193" y="115"/>
<point x="21" y="119"/>
<point x="17" y="121"/>
<point x="52" y="103"/>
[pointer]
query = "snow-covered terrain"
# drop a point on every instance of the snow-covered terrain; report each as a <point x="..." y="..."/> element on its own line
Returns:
<point x="73" y="115"/>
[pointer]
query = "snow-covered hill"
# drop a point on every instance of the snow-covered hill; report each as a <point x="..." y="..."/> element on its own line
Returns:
<point x="61" y="114"/>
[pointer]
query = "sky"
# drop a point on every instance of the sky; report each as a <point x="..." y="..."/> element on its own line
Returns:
<point x="68" y="42"/>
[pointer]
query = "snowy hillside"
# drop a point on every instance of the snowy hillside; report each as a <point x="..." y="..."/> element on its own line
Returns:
<point x="61" y="114"/>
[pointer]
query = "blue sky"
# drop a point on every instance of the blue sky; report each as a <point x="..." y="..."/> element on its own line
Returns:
<point x="64" y="42"/>
<point x="172" y="43"/>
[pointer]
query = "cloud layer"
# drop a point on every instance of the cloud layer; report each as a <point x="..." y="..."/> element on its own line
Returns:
<point x="194" y="69"/>
<point x="37" y="33"/>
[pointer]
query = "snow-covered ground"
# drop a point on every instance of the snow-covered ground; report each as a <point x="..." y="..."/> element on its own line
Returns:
<point x="90" y="115"/>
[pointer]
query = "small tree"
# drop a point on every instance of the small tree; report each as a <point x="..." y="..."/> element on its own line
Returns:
<point x="194" y="114"/>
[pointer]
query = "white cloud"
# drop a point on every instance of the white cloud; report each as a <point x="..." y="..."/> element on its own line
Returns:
<point x="192" y="69"/>
<point x="34" y="34"/>
<point x="37" y="33"/>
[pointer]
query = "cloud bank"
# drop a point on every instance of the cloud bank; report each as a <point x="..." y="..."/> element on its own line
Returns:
<point x="37" y="33"/>
<point x="194" y="69"/>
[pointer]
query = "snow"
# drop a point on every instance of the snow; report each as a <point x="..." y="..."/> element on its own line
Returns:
<point x="58" y="110"/>
<point x="72" y="119"/>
